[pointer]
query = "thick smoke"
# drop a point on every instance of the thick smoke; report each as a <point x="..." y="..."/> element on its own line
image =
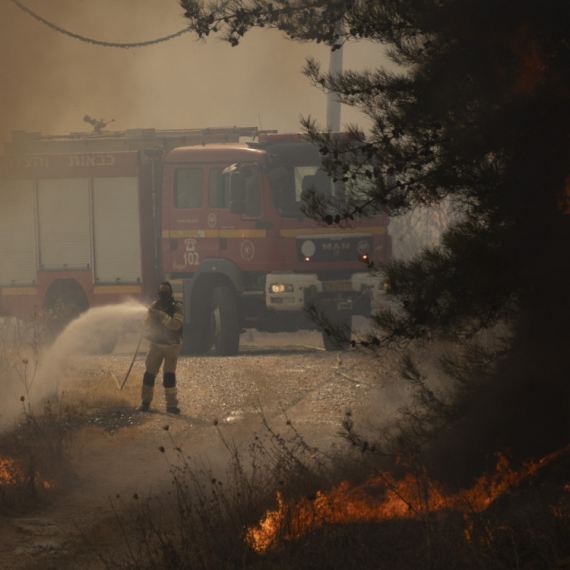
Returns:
<point x="51" y="81"/>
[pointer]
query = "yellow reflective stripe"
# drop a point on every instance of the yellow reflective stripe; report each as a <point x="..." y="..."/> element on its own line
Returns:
<point x="316" y="231"/>
<point x="178" y="317"/>
<point x="263" y="233"/>
<point x="105" y="289"/>
<point x="20" y="291"/>
<point x="243" y="233"/>
<point x="190" y="234"/>
<point x="171" y="390"/>
<point x="214" y="233"/>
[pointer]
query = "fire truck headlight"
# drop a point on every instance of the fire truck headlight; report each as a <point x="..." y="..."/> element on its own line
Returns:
<point x="281" y="288"/>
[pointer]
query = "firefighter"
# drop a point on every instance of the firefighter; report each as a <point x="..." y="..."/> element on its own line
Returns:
<point x="164" y="330"/>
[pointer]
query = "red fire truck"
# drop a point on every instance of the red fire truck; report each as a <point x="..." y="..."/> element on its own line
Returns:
<point x="90" y="219"/>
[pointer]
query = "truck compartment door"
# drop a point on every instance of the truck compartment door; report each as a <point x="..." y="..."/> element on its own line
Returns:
<point x="17" y="232"/>
<point x="64" y="229"/>
<point x="116" y="231"/>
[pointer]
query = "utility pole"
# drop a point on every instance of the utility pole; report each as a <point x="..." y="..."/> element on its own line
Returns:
<point x="333" y="104"/>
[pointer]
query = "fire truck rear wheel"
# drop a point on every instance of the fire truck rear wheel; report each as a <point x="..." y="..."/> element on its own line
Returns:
<point x="225" y="321"/>
<point x="65" y="301"/>
<point x="341" y="341"/>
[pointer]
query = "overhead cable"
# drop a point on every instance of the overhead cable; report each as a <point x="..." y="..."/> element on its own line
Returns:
<point x="97" y="42"/>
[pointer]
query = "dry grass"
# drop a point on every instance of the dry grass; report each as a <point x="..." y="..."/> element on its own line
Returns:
<point x="202" y="521"/>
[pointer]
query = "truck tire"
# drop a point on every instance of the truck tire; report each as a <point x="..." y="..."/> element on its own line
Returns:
<point x="197" y="339"/>
<point x="341" y="340"/>
<point x="65" y="301"/>
<point x="224" y="321"/>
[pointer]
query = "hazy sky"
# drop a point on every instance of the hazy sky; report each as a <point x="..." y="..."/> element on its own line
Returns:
<point x="50" y="81"/>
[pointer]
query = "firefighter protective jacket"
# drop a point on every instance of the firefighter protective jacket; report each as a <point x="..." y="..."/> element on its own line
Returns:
<point x="161" y="331"/>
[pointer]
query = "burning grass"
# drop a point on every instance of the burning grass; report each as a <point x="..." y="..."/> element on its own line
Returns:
<point x="383" y="498"/>
<point x="34" y="459"/>
<point x="12" y="474"/>
<point x="20" y="486"/>
<point x="281" y="506"/>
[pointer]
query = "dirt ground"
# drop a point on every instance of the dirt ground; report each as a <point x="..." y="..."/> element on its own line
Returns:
<point x="115" y="453"/>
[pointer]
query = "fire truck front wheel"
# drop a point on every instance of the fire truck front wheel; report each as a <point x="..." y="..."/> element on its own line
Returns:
<point x="197" y="338"/>
<point x="224" y="321"/>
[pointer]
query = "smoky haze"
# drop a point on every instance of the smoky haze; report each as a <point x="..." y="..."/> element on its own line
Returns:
<point x="51" y="81"/>
<point x="39" y="376"/>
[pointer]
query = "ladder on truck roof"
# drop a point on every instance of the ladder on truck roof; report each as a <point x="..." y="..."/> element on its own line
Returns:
<point x="129" y="140"/>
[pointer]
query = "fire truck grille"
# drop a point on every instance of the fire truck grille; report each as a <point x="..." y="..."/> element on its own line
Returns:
<point x="332" y="248"/>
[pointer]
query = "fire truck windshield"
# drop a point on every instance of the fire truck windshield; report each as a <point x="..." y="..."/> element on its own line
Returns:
<point x="289" y="184"/>
<point x="295" y="170"/>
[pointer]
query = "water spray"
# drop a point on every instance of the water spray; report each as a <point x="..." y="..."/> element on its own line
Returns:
<point x="83" y="336"/>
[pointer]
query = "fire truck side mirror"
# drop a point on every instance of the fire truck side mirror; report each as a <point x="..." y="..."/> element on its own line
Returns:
<point x="237" y="186"/>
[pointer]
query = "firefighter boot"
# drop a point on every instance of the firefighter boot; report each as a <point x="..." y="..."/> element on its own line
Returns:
<point x="147" y="391"/>
<point x="170" y="393"/>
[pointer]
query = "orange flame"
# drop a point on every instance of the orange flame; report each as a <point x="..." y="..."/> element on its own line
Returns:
<point x="12" y="474"/>
<point x="383" y="497"/>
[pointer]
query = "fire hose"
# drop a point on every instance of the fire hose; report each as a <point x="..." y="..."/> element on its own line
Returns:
<point x="133" y="360"/>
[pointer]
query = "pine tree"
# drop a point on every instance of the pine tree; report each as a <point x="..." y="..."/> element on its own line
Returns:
<point x="479" y="113"/>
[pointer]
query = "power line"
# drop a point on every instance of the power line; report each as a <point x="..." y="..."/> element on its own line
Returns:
<point x="97" y="42"/>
